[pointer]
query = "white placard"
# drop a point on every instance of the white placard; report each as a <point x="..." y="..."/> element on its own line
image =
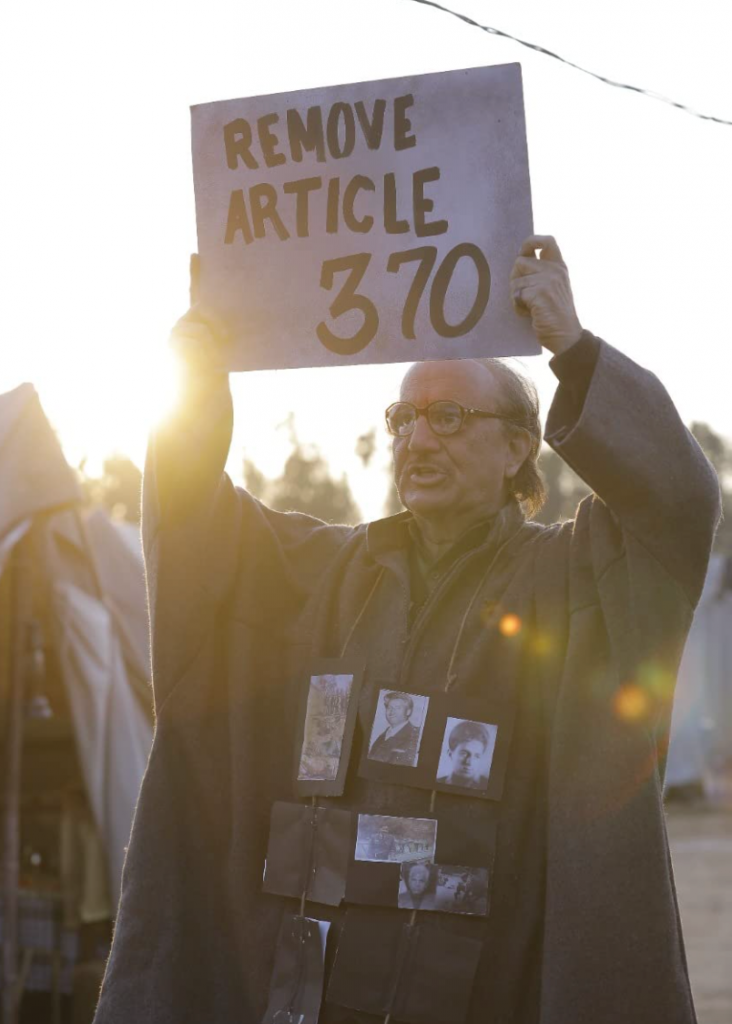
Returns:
<point x="366" y="223"/>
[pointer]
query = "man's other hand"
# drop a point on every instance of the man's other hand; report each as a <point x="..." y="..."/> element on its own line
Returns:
<point x="200" y="340"/>
<point x="540" y="289"/>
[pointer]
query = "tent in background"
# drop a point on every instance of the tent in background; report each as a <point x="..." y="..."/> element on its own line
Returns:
<point x="72" y="585"/>
<point x="701" y="729"/>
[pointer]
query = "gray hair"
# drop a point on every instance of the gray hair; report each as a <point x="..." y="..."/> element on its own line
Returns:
<point x="520" y="402"/>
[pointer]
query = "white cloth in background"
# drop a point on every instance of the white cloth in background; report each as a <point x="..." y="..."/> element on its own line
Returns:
<point x="701" y="728"/>
<point x="113" y="734"/>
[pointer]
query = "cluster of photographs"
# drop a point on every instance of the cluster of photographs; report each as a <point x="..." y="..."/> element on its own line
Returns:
<point x="434" y="741"/>
<point x="466" y="751"/>
<point x="329" y="855"/>
<point x="422" y="884"/>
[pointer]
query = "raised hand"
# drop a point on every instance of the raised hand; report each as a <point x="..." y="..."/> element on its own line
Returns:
<point x="540" y="288"/>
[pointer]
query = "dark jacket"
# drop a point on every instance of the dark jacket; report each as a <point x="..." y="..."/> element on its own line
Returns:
<point x="401" y="748"/>
<point x="584" y="923"/>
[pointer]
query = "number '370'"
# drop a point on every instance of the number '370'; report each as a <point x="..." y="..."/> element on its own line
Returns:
<point x="348" y="299"/>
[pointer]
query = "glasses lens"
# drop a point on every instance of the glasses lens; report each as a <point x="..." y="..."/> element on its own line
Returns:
<point x="445" y="417"/>
<point x="400" y="418"/>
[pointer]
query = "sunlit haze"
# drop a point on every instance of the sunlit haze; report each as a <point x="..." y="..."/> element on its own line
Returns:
<point x="98" y="214"/>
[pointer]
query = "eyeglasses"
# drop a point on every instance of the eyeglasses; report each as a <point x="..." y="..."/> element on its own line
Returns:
<point x="444" y="417"/>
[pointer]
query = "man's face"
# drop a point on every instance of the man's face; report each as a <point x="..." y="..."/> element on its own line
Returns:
<point x="396" y="711"/>
<point x="463" y="477"/>
<point x="419" y="878"/>
<point x="466" y="759"/>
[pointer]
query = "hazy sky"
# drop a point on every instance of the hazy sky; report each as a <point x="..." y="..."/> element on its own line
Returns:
<point x="98" y="215"/>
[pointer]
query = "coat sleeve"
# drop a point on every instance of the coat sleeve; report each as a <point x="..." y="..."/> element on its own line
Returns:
<point x="211" y="549"/>
<point x="640" y="545"/>
<point x="628" y="444"/>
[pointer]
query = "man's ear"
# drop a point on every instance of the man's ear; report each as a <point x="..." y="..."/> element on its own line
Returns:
<point x="519" y="445"/>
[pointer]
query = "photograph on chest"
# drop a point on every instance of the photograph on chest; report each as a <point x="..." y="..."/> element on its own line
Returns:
<point x="467" y="753"/>
<point x="396" y="734"/>
<point x="449" y="889"/>
<point x="382" y="837"/>
<point x="436" y="741"/>
<point x="328" y="708"/>
<point x="325" y="727"/>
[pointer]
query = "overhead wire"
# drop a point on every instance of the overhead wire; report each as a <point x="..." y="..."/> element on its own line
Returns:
<point x="593" y="74"/>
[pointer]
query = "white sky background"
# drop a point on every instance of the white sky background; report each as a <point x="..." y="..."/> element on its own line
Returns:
<point x="98" y="216"/>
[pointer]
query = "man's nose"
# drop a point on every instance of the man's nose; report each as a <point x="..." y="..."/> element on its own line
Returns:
<point x="423" y="437"/>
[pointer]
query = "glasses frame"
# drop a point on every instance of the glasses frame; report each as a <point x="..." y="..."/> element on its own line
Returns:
<point x="464" y="414"/>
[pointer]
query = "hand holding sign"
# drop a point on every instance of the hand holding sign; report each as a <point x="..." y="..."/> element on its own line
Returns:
<point x="200" y="341"/>
<point x="540" y="288"/>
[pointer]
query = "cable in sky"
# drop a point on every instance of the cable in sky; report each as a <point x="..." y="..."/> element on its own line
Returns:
<point x="569" y="63"/>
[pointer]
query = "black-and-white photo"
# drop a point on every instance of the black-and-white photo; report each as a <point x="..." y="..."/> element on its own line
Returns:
<point x="395" y="840"/>
<point x="396" y="734"/>
<point x="450" y="890"/>
<point x="461" y="890"/>
<point x="325" y="726"/>
<point x="418" y="885"/>
<point x="467" y="754"/>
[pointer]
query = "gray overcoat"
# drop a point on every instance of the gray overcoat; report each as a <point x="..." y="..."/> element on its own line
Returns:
<point x="584" y="924"/>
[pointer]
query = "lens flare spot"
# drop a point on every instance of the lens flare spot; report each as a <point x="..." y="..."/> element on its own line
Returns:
<point x="631" y="703"/>
<point x="510" y="625"/>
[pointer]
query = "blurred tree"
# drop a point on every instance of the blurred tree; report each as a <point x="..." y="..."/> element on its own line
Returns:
<point x="305" y="485"/>
<point x="393" y="502"/>
<point x="118" y="489"/>
<point x="565" y="490"/>
<point x="366" y="447"/>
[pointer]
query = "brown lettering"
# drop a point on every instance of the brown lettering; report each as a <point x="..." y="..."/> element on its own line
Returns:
<point x="238" y="141"/>
<point x="263" y="201"/>
<point x="237" y="220"/>
<point x="402" y="124"/>
<point x="302" y="189"/>
<point x="308" y="136"/>
<point x="423" y="205"/>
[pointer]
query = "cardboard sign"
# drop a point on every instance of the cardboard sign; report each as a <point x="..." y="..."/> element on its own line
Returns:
<point x="367" y="223"/>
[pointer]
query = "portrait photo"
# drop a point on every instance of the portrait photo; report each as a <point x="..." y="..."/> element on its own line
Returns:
<point x="396" y="734"/>
<point x="461" y="890"/>
<point x="325" y="726"/>
<point x="418" y="885"/>
<point x="467" y="754"/>
<point x="390" y="839"/>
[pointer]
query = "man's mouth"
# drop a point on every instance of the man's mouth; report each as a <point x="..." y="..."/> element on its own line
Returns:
<point x="425" y="475"/>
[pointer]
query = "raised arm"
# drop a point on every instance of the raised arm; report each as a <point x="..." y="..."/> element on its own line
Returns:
<point x="211" y="549"/>
<point x="616" y="426"/>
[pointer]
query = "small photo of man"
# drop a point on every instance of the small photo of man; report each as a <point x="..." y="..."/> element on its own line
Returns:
<point x="467" y="754"/>
<point x="396" y="734"/>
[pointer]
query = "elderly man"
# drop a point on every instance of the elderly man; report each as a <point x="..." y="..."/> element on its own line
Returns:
<point x="399" y="742"/>
<point x="583" y="923"/>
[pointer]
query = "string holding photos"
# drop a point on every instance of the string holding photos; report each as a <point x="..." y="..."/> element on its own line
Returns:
<point x="437" y="741"/>
<point x="327" y="714"/>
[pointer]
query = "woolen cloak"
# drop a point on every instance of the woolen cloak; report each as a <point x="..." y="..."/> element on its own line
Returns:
<point x="584" y="924"/>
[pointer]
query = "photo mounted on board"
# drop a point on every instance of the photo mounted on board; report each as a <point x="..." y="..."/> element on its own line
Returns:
<point x="444" y="741"/>
<point x="467" y="754"/>
<point x="388" y="839"/>
<point x="326" y="721"/>
<point x="396" y="734"/>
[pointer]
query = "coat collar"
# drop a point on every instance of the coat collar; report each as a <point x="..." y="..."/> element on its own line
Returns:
<point x="384" y="536"/>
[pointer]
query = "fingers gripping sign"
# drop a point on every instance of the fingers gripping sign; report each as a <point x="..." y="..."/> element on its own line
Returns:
<point x="540" y="289"/>
<point x="200" y="339"/>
